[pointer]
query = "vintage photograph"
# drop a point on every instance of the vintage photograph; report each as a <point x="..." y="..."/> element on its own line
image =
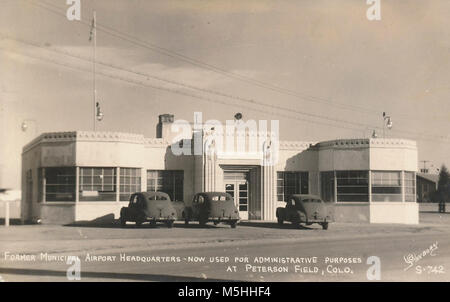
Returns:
<point x="224" y="140"/>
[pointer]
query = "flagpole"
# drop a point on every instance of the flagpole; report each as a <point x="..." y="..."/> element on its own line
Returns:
<point x="94" y="31"/>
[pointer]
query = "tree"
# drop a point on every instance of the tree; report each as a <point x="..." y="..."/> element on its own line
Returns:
<point x="443" y="189"/>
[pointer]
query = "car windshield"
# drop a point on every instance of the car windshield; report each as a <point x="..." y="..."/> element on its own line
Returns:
<point x="312" y="200"/>
<point x="219" y="198"/>
<point x="157" y="197"/>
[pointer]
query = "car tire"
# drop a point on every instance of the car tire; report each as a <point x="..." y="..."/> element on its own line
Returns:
<point x="202" y="222"/>
<point x="325" y="226"/>
<point x="123" y="221"/>
<point x="233" y="224"/>
<point x="139" y="220"/>
<point x="169" y="224"/>
<point x="186" y="217"/>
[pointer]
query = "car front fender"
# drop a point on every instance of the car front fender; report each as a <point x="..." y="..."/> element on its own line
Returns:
<point x="281" y="213"/>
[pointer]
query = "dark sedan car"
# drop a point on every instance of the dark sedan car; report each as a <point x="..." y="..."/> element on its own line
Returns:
<point x="306" y="209"/>
<point x="149" y="206"/>
<point x="212" y="206"/>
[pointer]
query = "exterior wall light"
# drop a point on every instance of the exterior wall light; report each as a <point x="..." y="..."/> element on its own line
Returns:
<point x="374" y="134"/>
<point x="387" y="122"/>
<point x="99" y="114"/>
<point x="24" y="126"/>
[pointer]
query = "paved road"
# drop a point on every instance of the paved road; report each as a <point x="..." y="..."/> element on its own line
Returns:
<point x="309" y="254"/>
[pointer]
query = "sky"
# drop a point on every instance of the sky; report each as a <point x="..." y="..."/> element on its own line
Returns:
<point x="320" y="67"/>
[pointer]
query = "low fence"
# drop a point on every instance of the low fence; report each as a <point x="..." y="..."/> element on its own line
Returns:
<point x="432" y="207"/>
<point x="9" y="210"/>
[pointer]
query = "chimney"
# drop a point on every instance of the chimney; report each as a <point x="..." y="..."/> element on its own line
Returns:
<point x="163" y="129"/>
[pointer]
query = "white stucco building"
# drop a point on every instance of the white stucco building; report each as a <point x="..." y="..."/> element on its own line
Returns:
<point x="79" y="176"/>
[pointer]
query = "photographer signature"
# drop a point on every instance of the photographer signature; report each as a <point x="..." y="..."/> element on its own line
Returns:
<point x="412" y="258"/>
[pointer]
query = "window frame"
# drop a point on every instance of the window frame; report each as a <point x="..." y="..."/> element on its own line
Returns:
<point x="167" y="181"/>
<point x="300" y="178"/>
<point x="347" y="183"/>
<point x="47" y="184"/>
<point x="135" y="175"/>
<point x="413" y="187"/>
<point x="102" y="195"/>
<point x="392" y="186"/>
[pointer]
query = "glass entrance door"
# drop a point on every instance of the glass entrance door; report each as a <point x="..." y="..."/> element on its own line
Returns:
<point x="239" y="190"/>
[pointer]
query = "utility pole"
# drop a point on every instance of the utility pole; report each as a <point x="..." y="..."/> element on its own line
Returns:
<point x="94" y="37"/>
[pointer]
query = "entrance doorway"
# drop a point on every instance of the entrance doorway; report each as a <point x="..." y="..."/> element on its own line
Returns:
<point x="237" y="185"/>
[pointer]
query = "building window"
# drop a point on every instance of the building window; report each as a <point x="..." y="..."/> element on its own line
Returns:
<point x="97" y="184"/>
<point x="410" y="187"/>
<point x="289" y="183"/>
<point x="130" y="182"/>
<point x="327" y="185"/>
<point x="168" y="181"/>
<point x="29" y="188"/>
<point x="386" y="186"/>
<point x="352" y="186"/>
<point x="60" y="184"/>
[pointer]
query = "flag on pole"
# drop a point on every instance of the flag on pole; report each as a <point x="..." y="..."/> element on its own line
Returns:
<point x="91" y="34"/>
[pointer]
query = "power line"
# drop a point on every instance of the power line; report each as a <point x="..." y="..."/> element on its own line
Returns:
<point x="253" y="102"/>
<point x="183" y="93"/>
<point x="129" y="38"/>
<point x="145" y="44"/>
<point x="134" y="40"/>
<point x="140" y="43"/>
<point x="174" y="91"/>
<point x="274" y="107"/>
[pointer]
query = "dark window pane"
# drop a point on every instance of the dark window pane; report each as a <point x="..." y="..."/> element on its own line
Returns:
<point x="386" y="190"/>
<point x="352" y="186"/>
<point x="168" y="181"/>
<point x="60" y="184"/>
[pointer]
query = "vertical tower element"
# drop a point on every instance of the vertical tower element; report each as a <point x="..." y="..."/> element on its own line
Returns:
<point x="163" y="129"/>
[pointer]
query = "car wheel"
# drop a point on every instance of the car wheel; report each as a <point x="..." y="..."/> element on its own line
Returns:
<point x="280" y="221"/>
<point x="233" y="224"/>
<point x="123" y="221"/>
<point x="186" y="218"/>
<point x="169" y="224"/>
<point x="139" y="220"/>
<point x="325" y="225"/>
<point x="202" y="221"/>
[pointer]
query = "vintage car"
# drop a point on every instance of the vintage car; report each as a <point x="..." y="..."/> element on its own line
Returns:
<point x="306" y="209"/>
<point x="150" y="207"/>
<point x="212" y="206"/>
